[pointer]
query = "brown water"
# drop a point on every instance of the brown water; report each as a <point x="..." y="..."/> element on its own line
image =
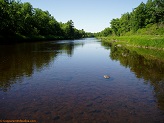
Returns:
<point x="62" y="82"/>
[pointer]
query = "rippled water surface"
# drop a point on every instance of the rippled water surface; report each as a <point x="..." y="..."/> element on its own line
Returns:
<point x="63" y="82"/>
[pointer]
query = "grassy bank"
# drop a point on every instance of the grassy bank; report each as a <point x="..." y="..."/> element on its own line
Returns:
<point x="151" y="47"/>
<point x="140" y="41"/>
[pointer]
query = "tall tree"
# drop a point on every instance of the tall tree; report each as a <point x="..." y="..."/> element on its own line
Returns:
<point x="115" y="25"/>
<point x="138" y="17"/>
<point x="26" y="19"/>
<point x="150" y="13"/>
<point x="159" y="10"/>
<point x="4" y="16"/>
<point x="124" y="23"/>
<point x="68" y="29"/>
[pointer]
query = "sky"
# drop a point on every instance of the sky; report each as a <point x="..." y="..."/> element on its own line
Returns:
<point x="90" y="15"/>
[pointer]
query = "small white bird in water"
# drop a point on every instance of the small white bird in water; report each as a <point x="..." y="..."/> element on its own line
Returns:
<point x="106" y="76"/>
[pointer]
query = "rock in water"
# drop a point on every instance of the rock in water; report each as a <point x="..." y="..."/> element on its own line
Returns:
<point x="106" y="76"/>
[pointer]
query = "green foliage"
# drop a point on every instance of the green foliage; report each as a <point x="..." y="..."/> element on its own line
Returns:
<point x="124" y="23"/>
<point x="140" y="41"/>
<point x="151" y="29"/>
<point x="89" y="35"/>
<point x="68" y="29"/>
<point x="106" y="32"/>
<point x="115" y="25"/>
<point x="22" y="20"/>
<point x="146" y="19"/>
<point x="138" y="17"/>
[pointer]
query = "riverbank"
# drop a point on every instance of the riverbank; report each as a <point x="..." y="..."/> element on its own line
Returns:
<point x="139" y="41"/>
<point x="151" y="47"/>
<point x="11" y="39"/>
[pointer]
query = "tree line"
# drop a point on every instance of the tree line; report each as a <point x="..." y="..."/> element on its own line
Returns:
<point x="22" y="20"/>
<point x="149" y="15"/>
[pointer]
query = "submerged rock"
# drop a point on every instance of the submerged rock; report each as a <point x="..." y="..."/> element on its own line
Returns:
<point x="106" y="76"/>
<point x="119" y="45"/>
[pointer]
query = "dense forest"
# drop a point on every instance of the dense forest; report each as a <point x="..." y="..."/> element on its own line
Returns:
<point x="22" y="21"/>
<point x="146" y="19"/>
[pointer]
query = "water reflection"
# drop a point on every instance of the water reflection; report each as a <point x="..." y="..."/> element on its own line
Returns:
<point x="17" y="61"/>
<point x="66" y="84"/>
<point x="149" y="69"/>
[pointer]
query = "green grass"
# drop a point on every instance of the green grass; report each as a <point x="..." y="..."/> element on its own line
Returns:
<point x="151" y="47"/>
<point x="142" y="41"/>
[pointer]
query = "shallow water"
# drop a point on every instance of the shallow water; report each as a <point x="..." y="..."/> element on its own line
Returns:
<point x="63" y="82"/>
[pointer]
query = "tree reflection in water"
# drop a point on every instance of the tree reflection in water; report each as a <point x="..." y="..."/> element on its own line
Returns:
<point x="148" y="68"/>
<point x="23" y="59"/>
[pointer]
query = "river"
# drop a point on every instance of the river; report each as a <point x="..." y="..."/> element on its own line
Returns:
<point x="63" y="82"/>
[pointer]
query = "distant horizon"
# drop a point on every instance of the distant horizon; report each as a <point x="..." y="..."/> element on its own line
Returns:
<point x="91" y="16"/>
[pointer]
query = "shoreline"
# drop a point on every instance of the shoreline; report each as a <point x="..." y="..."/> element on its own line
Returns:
<point x="137" y="41"/>
<point x="148" y="51"/>
<point x="5" y="40"/>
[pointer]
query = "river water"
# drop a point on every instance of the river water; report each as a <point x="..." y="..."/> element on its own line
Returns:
<point x="63" y="82"/>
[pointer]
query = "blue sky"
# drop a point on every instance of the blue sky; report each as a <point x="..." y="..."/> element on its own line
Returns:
<point x="90" y="15"/>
